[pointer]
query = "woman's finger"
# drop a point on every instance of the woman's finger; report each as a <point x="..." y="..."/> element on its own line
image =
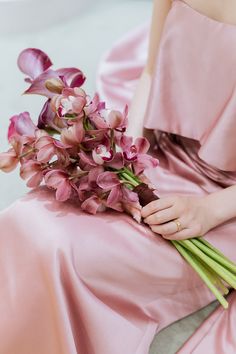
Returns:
<point x="167" y="228"/>
<point x="162" y="216"/>
<point x="181" y="235"/>
<point x="156" y="205"/>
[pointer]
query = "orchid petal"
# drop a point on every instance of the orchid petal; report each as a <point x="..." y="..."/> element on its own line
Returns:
<point x="73" y="77"/>
<point x="38" y="86"/>
<point x="108" y="180"/>
<point x="94" y="173"/>
<point x="143" y="162"/>
<point x="91" y="205"/>
<point x="142" y="145"/>
<point x="117" y="161"/>
<point x="115" y="196"/>
<point x="64" y="190"/>
<point x="8" y="160"/>
<point x="33" y="62"/>
<point x="29" y="168"/>
<point x="45" y="154"/>
<point x="125" y="142"/>
<point x="73" y="135"/>
<point x="86" y="159"/>
<point x="35" y="180"/>
<point x="115" y="119"/>
<point x="46" y="116"/>
<point x="21" y="124"/>
<point x="129" y="196"/>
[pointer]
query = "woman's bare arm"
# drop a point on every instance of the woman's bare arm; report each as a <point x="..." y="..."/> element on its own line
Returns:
<point x="139" y="102"/>
<point x="160" y="11"/>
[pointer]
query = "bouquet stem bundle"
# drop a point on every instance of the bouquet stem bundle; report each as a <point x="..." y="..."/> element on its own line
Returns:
<point x="214" y="268"/>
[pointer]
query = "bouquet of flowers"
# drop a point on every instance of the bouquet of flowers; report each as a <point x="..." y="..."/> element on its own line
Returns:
<point x="80" y="149"/>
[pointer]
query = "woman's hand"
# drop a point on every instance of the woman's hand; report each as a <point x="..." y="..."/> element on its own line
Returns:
<point x="195" y="214"/>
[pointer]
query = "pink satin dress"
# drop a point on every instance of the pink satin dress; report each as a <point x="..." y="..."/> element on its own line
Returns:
<point x="75" y="283"/>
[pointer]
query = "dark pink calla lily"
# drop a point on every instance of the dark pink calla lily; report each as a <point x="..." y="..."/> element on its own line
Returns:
<point x="46" y="117"/>
<point x="33" y="62"/>
<point x="33" y="172"/>
<point x="72" y="77"/>
<point x="59" y="180"/>
<point x="36" y="64"/>
<point x="21" y="124"/>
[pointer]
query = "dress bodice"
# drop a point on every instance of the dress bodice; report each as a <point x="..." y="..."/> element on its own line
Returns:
<point x="193" y="90"/>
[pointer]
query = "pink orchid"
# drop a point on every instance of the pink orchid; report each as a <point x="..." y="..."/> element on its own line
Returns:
<point x="136" y="153"/>
<point x="32" y="171"/>
<point x="73" y="135"/>
<point x="20" y="150"/>
<point x="61" y="182"/>
<point x="111" y="119"/>
<point x="36" y="64"/>
<point x="21" y="124"/>
<point x="118" y="120"/>
<point x="92" y="205"/>
<point x="70" y="102"/>
<point x="48" y="147"/>
<point x="8" y="160"/>
<point x="88" y="183"/>
<point x="101" y="154"/>
<point x="109" y="181"/>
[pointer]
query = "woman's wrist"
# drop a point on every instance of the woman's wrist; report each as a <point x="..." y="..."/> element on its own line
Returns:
<point x="220" y="206"/>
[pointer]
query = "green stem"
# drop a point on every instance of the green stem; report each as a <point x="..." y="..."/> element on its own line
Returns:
<point x="220" y="270"/>
<point x="127" y="177"/>
<point x="216" y="250"/>
<point x="200" y="269"/>
<point x="131" y="174"/>
<point x="219" y="258"/>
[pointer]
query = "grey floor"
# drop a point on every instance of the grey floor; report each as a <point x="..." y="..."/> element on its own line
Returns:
<point x="87" y="30"/>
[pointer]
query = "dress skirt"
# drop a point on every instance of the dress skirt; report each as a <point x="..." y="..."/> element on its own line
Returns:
<point x="74" y="283"/>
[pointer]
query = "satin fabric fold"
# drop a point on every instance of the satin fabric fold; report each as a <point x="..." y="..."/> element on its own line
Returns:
<point x="194" y="87"/>
<point x="217" y="334"/>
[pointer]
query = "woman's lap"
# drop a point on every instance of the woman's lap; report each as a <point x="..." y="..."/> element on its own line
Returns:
<point x="94" y="273"/>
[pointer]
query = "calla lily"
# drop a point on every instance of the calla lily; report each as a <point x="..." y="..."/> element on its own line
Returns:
<point x="21" y="124"/>
<point x="48" y="118"/>
<point x="36" y="64"/>
<point x="33" y="62"/>
<point x="59" y="180"/>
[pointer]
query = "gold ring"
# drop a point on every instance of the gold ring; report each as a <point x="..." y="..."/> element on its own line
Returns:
<point x="178" y="224"/>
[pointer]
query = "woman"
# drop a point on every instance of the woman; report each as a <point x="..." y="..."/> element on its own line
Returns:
<point x="75" y="283"/>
